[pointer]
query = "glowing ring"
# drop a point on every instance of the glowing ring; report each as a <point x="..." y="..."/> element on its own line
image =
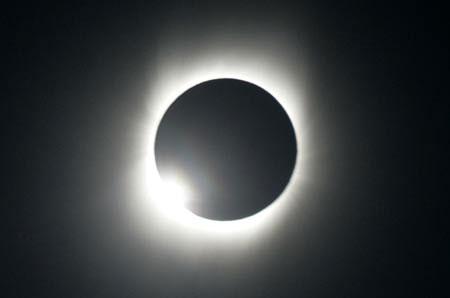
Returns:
<point x="172" y="81"/>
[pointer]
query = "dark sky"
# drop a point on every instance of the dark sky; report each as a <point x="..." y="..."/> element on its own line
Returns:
<point x="76" y="81"/>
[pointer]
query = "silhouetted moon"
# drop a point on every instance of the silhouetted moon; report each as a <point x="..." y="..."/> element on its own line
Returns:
<point x="233" y="144"/>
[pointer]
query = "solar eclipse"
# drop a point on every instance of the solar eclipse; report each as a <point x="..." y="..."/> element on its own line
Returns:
<point x="277" y="70"/>
<point x="232" y="143"/>
<point x="221" y="149"/>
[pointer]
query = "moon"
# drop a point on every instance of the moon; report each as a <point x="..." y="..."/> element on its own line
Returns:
<point x="231" y="143"/>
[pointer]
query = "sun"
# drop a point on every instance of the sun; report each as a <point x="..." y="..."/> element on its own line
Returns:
<point x="155" y="197"/>
<point x="175" y="194"/>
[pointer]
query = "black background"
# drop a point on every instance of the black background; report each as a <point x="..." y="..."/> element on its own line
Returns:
<point x="76" y="77"/>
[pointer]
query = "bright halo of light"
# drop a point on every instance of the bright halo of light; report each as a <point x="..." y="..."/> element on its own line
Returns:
<point x="265" y="68"/>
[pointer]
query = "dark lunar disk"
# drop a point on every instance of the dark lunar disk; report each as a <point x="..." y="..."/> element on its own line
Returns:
<point x="233" y="145"/>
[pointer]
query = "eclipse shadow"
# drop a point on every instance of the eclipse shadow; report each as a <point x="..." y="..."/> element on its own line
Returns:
<point x="233" y="145"/>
